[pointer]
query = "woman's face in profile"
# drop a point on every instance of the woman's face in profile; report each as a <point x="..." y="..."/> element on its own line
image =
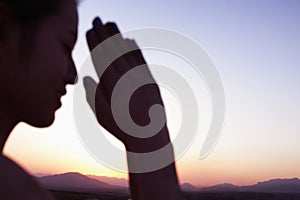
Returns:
<point x="35" y="82"/>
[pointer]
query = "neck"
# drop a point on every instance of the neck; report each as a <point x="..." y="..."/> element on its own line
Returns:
<point x="7" y="123"/>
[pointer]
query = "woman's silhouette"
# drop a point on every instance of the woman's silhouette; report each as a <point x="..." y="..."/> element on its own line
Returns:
<point x="36" y="41"/>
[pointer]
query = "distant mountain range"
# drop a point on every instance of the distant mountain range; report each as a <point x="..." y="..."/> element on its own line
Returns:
<point x="271" y="186"/>
<point x="73" y="181"/>
<point x="187" y="187"/>
<point x="111" y="180"/>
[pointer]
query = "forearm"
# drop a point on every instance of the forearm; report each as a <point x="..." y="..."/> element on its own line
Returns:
<point x="153" y="174"/>
<point x="160" y="184"/>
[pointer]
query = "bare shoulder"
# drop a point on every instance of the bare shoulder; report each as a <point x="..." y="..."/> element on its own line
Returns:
<point x="16" y="183"/>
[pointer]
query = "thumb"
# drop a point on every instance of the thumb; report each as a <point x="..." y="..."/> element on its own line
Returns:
<point x="90" y="86"/>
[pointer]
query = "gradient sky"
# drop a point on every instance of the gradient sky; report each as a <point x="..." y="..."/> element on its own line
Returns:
<point x="255" y="46"/>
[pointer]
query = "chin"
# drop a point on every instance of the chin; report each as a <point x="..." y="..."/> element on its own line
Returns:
<point x="42" y="121"/>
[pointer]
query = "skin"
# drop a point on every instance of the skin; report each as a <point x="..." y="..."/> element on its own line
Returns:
<point x="159" y="184"/>
<point x="33" y="85"/>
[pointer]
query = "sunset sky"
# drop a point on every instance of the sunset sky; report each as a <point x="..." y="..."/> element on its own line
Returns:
<point x="255" y="46"/>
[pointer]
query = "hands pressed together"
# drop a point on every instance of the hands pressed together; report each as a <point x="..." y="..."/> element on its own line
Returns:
<point x="99" y="95"/>
<point x="128" y="104"/>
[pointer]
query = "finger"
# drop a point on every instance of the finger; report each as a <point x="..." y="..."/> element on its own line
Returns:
<point x="111" y="34"/>
<point x="104" y="54"/>
<point x="119" y="48"/>
<point x="97" y="21"/>
<point x="113" y="52"/>
<point x="91" y="35"/>
<point x="136" y="58"/>
<point x="90" y="89"/>
<point x="112" y="28"/>
<point x="136" y="54"/>
<point x="103" y="115"/>
<point x="100" y="30"/>
<point x="91" y="39"/>
<point x="110" y="78"/>
<point x="130" y="57"/>
<point x="97" y="100"/>
<point x="98" y="55"/>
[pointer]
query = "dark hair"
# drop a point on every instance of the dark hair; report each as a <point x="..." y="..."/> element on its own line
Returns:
<point x="27" y="10"/>
<point x="26" y="13"/>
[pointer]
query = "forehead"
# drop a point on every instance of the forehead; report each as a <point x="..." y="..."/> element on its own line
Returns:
<point x="66" y="17"/>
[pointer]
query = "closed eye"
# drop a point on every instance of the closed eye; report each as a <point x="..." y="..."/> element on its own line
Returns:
<point x="68" y="48"/>
<point x="68" y="41"/>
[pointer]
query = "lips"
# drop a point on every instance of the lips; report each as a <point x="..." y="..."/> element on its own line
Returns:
<point x="59" y="95"/>
<point x="63" y="92"/>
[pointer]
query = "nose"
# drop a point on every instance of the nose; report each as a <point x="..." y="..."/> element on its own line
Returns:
<point x="71" y="73"/>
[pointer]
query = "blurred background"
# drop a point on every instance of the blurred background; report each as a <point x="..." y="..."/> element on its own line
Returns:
<point x="255" y="46"/>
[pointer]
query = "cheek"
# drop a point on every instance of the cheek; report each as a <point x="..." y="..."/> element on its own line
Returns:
<point x="45" y="78"/>
<point x="31" y="85"/>
<point x="50" y="66"/>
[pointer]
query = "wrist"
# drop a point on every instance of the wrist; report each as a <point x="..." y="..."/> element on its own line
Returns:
<point x="151" y="161"/>
<point x="148" y="145"/>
